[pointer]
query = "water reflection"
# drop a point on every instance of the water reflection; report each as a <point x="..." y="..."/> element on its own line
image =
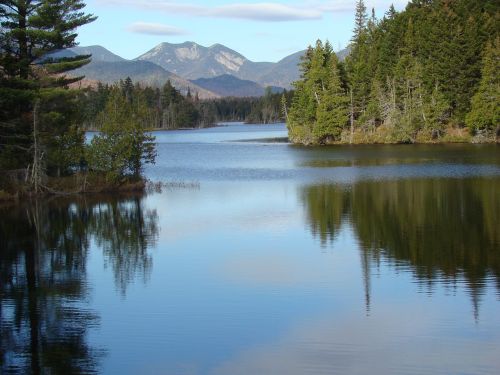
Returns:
<point x="440" y="230"/>
<point x="125" y="232"/>
<point x="44" y="318"/>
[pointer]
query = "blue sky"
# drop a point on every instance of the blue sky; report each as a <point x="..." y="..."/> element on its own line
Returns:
<point x="262" y="30"/>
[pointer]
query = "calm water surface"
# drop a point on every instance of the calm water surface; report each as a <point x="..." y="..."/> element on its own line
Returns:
<point x="279" y="260"/>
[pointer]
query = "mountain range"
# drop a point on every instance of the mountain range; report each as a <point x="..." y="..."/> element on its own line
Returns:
<point x="208" y="71"/>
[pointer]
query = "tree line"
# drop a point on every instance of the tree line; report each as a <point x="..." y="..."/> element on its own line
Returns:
<point x="428" y="73"/>
<point x="167" y="108"/>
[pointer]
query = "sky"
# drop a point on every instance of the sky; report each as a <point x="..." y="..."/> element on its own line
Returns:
<point x="261" y="30"/>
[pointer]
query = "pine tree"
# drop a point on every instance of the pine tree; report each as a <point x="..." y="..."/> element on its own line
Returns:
<point x="435" y="112"/>
<point x="357" y="63"/>
<point x="360" y="20"/>
<point x="391" y="13"/>
<point x="123" y="145"/>
<point x="332" y="113"/>
<point x="34" y="116"/>
<point x="319" y="109"/>
<point x="485" y="113"/>
<point x="302" y="113"/>
<point x="372" y="116"/>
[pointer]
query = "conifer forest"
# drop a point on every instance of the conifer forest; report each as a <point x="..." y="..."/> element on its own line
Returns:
<point x="426" y="74"/>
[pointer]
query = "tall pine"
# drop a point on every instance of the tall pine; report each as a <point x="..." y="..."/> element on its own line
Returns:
<point x="485" y="113"/>
<point x="37" y="119"/>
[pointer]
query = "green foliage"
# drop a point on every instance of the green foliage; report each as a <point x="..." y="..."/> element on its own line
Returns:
<point x="485" y="112"/>
<point x="30" y="30"/>
<point x="412" y="74"/>
<point x="269" y="108"/>
<point x="123" y="145"/>
<point x="435" y="111"/>
<point x="373" y="113"/>
<point x="319" y="108"/>
<point x="169" y="109"/>
<point x="332" y="113"/>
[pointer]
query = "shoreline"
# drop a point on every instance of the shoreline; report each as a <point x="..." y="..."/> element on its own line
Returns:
<point x="72" y="186"/>
<point x="384" y="136"/>
<point x="218" y="125"/>
<point x="396" y="143"/>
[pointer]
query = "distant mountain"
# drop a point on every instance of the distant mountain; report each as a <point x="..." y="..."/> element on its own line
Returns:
<point x="209" y="71"/>
<point x="287" y="70"/>
<point x="106" y="67"/>
<point x="284" y="72"/>
<point x="228" y="85"/>
<point x="193" y="61"/>
<point x="98" y="53"/>
<point x="139" y="71"/>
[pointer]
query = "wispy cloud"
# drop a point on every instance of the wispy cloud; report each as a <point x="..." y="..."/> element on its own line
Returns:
<point x="263" y="12"/>
<point x="299" y="10"/>
<point x="337" y="6"/>
<point x="155" y="29"/>
<point x="270" y="12"/>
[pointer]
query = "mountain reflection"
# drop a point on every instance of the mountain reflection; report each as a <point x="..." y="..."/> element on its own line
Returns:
<point x="439" y="230"/>
<point x="44" y="320"/>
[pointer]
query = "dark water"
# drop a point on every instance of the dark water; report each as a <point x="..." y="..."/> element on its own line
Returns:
<point x="278" y="260"/>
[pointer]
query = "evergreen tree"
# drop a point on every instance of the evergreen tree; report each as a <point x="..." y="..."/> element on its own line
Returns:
<point x="412" y="93"/>
<point x="35" y="109"/>
<point x="332" y="113"/>
<point x="391" y="13"/>
<point x="123" y="145"/>
<point x="303" y="109"/>
<point x="319" y="109"/>
<point x="485" y="113"/>
<point x="435" y="110"/>
<point x="373" y="116"/>
<point x="360" y="21"/>
<point x="357" y="63"/>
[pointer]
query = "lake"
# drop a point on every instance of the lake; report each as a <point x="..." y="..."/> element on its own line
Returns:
<point x="260" y="257"/>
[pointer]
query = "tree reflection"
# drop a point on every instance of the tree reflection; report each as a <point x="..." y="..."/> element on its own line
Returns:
<point x="125" y="232"/>
<point x="441" y="229"/>
<point x="44" y="321"/>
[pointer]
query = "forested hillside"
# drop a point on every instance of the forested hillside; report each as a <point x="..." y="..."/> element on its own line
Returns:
<point x="426" y="74"/>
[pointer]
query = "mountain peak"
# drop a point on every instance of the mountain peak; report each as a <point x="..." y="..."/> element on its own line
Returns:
<point x="187" y="43"/>
<point x="218" y="46"/>
<point x="191" y="60"/>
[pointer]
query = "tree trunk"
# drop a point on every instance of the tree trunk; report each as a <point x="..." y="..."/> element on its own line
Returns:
<point x="352" y="119"/>
<point x="37" y="163"/>
<point x="32" y="269"/>
<point x="23" y="40"/>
